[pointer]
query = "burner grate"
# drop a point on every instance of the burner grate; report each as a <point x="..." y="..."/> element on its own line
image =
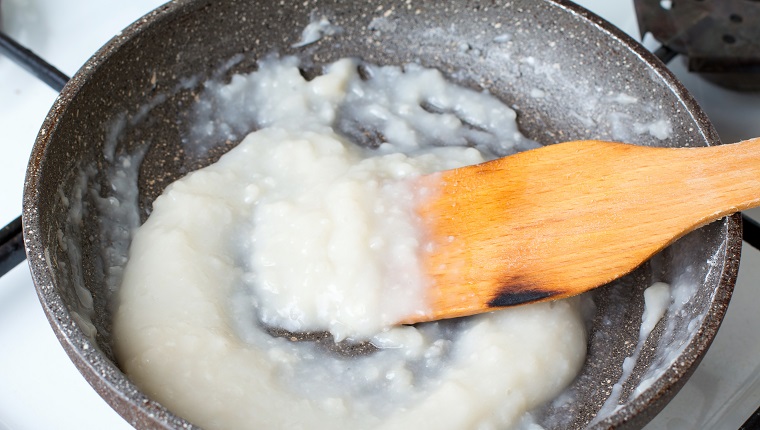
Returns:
<point x="35" y="65"/>
<point x="720" y="38"/>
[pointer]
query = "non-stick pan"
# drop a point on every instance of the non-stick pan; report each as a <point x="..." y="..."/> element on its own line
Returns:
<point x="568" y="74"/>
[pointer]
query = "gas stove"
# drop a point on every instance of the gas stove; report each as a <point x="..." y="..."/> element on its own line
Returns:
<point x="41" y="388"/>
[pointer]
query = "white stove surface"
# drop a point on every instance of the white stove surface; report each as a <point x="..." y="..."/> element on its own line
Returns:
<point x="40" y="387"/>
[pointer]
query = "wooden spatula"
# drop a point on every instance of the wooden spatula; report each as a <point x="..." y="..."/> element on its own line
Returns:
<point x="563" y="219"/>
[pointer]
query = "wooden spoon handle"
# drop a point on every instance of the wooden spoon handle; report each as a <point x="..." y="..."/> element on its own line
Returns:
<point x="560" y="220"/>
<point x="726" y="178"/>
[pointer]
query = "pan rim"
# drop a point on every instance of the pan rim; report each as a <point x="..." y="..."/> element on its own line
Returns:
<point x="105" y="377"/>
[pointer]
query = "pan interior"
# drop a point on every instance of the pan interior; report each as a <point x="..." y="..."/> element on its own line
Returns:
<point x="129" y="111"/>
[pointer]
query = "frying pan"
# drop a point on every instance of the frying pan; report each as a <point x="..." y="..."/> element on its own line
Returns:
<point x="568" y="74"/>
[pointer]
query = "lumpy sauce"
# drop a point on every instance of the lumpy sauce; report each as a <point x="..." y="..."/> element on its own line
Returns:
<point x="307" y="225"/>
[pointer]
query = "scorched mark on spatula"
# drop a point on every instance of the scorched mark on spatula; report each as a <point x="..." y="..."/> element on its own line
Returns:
<point x="511" y="295"/>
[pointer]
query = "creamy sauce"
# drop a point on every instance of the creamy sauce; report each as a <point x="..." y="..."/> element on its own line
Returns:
<point x="297" y="227"/>
<point x="656" y="301"/>
<point x="318" y="27"/>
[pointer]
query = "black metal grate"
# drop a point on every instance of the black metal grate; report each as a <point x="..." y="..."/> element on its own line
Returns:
<point x="720" y="39"/>
<point x="32" y="63"/>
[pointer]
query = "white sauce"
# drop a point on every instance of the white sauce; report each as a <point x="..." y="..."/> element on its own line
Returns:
<point x="656" y="301"/>
<point x="333" y="245"/>
<point x="302" y="229"/>
<point x="317" y="28"/>
<point x="661" y="129"/>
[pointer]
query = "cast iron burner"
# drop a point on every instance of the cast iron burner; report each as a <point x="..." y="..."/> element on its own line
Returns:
<point x="720" y="38"/>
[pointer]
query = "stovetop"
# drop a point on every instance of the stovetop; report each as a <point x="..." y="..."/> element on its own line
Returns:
<point x="41" y="388"/>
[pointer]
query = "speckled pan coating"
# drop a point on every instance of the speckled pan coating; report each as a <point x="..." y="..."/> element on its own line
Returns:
<point x="492" y="45"/>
